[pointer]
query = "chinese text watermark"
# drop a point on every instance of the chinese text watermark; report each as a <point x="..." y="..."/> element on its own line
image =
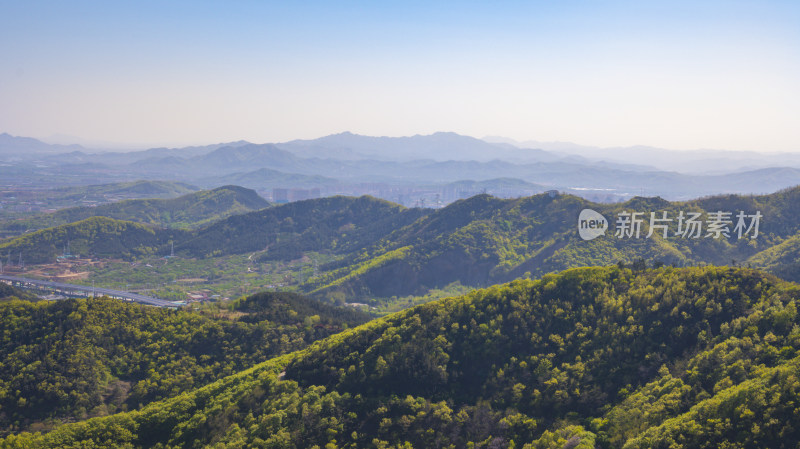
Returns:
<point x="687" y="225"/>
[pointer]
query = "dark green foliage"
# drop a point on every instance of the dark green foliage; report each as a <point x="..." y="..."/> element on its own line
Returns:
<point x="600" y="357"/>
<point x="285" y="307"/>
<point x="8" y="293"/>
<point x="78" y="358"/>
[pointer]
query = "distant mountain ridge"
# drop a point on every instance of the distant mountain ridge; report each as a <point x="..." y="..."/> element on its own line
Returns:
<point x="440" y="146"/>
<point x="433" y="160"/>
<point x="246" y="156"/>
<point x="12" y="144"/>
<point x="684" y="161"/>
<point x="134" y="189"/>
<point x="562" y="173"/>
<point x="266" y="179"/>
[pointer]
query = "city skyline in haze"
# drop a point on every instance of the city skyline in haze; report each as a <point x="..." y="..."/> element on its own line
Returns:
<point x="677" y="75"/>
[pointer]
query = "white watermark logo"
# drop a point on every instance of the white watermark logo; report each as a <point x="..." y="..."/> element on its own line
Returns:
<point x="591" y="224"/>
<point x="687" y="225"/>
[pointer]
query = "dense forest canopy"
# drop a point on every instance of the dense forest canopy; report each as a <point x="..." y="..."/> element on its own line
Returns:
<point x="77" y="358"/>
<point x="8" y="293"/>
<point x="595" y="357"/>
<point x="92" y="237"/>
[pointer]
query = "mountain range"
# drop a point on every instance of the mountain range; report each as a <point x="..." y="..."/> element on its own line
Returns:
<point x="697" y="161"/>
<point x="381" y="250"/>
<point x="641" y="323"/>
<point x="343" y="163"/>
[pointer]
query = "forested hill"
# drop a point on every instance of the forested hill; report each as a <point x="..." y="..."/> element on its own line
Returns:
<point x="339" y="225"/>
<point x="95" y="236"/>
<point x="188" y="211"/>
<point x="66" y="360"/>
<point x="335" y="224"/>
<point x="134" y="189"/>
<point x="288" y="308"/>
<point x="592" y="357"/>
<point x="484" y="240"/>
<point x="382" y="249"/>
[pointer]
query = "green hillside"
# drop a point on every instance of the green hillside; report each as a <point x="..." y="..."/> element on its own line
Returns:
<point x="782" y="259"/>
<point x="134" y="189"/>
<point x="73" y="359"/>
<point x="374" y="250"/>
<point x="188" y="211"/>
<point x="96" y="236"/>
<point x="485" y="240"/>
<point x="337" y="224"/>
<point x="594" y="357"/>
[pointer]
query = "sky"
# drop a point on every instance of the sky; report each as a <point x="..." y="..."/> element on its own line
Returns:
<point x="671" y="74"/>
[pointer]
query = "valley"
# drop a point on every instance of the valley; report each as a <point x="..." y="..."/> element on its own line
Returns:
<point x="359" y="322"/>
<point x="400" y="225"/>
<point x="369" y="251"/>
<point x="354" y="321"/>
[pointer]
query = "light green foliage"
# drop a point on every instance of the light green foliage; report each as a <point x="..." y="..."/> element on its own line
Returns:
<point x="77" y="358"/>
<point x="599" y="357"/>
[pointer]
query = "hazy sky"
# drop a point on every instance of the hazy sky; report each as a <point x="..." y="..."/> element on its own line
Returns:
<point x="674" y="74"/>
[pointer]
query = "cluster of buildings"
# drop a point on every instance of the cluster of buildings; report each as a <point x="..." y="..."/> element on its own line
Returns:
<point x="282" y="196"/>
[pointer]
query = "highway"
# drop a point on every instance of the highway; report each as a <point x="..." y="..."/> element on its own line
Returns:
<point x="83" y="290"/>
